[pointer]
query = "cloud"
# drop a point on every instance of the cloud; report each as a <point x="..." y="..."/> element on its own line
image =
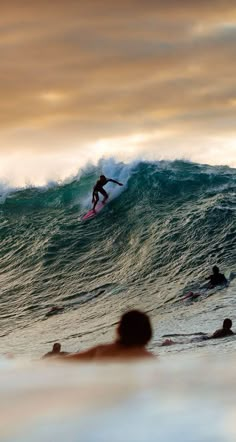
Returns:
<point x="79" y="72"/>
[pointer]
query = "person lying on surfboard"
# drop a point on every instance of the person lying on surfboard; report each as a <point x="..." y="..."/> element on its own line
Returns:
<point x="98" y="188"/>
<point x="216" y="278"/>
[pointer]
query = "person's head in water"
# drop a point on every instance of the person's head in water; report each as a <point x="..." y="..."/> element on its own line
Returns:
<point x="227" y="324"/>
<point x="134" y="329"/>
<point x="103" y="178"/>
<point x="56" y="347"/>
<point x="215" y="270"/>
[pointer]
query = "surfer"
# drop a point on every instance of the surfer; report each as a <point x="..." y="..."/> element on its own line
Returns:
<point x="217" y="278"/>
<point x="220" y="333"/>
<point x="224" y="331"/>
<point x="99" y="188"/>
<point x="54" y="310"/>
<point x="56" y="351"/>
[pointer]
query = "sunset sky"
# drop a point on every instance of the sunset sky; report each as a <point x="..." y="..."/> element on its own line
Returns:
<point x="82" y="79"/>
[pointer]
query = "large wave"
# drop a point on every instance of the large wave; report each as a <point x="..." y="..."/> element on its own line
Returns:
<point x="159" y="233"/>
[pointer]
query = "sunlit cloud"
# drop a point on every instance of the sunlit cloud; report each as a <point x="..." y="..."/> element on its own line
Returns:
<point x="52" y="97"/>
<point x="148" y="79"/>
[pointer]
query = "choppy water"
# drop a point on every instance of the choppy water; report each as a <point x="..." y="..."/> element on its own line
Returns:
<point x="156" y="239"/>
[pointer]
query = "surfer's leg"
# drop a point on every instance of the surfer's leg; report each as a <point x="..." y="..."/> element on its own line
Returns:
<point x="103" y="192"/>
<point x="96" y="199"/>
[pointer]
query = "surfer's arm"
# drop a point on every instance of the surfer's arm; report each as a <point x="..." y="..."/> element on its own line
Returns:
<point x="114" y="181"/>
<point x="217" y="334"/>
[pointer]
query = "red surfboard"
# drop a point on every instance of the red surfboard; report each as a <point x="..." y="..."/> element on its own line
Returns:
<point x="192" y="295"/>
<point x="92" y="213"/>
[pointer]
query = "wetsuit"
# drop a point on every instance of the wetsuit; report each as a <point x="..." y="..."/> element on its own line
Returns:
<point x="217" y="279"/>
<point x="99" y="188"/>
<point x="222" y="333"/>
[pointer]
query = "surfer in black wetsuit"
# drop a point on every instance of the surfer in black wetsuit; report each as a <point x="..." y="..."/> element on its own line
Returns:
<point x="224" y="331"/>
<point x="56" y="351"/>
<point x="99" y="188"/>
<point x="220" y="333"/>
<point x="217" y="278"/>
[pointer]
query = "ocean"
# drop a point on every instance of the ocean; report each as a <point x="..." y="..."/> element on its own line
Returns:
<point x="156" y="239"/>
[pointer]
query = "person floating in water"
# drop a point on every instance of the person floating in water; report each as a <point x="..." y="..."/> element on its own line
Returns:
<point x="217" y="278"/>
<point x="224" y="331"/>
<point x="134" y="331"/>
<point x="220" y="333"/>
<point x="98" y="188"/>
<point x="56" y="351"/>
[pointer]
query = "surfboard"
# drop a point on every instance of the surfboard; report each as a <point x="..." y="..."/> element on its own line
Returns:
<point x="192" y="295"/>
<point x="91" y="213"/>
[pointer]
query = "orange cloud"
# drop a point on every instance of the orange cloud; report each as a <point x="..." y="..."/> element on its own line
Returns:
<point x="78" y="72"/>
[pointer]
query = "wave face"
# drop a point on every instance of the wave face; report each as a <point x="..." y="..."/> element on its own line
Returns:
<point x="157" y="238"/>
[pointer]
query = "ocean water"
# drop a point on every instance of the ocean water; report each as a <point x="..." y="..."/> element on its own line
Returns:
<point x="155" y="240"/>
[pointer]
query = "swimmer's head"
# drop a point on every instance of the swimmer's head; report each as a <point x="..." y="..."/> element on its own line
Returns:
<point x="227" y="324"/>
<point x="56" y="347"/>
<point x="134" y="329"/>
<point x="215" y="270"/>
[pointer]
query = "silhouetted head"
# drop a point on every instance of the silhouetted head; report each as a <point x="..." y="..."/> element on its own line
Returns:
<point x="56" y="347"/>
<point x="215" y="270"/>
<point x="227" y="324"/>
<point x="102" y="178"/>
<point x="134" y="329"/>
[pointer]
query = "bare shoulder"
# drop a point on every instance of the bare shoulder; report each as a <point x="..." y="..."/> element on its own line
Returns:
<point x="108" y="351"/>
<point x="149" y="354"/>
<point x="83" y="355"/>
